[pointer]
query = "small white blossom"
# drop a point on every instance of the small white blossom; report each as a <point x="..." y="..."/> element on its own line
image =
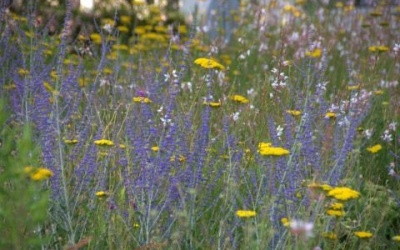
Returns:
<point x="387" y="136"/>
<point x="368" y="133"/>
<point x="108" y="27"/>
<point x="392" y="126"/>
<point x="396" y="48"/>
<point x="301" y="228"/>
<point x="235" y="116"/>
<point x="279" y="131"/>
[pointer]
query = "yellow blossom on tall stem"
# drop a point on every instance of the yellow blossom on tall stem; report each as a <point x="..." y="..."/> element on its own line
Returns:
<point x="101" y="194"/>
<point x="245" y="213"/>
<point x="343" y="193"/>
<point x="38" y="174"/>
<point x="141" y="99"/>
<point x="104" y="142"/>
<point x="336" y="213"/>
<point x="314" y="54"/>
<point x="374" y="149"/>
<point x="363" y="234"/>
<point x="267" y="150"/>
<point x="209" y="63"/>
<point x="239" y="98"/>
<point x="330" y="115"/>
<point x="396" y="238"/>
<point x="293" y="112"/>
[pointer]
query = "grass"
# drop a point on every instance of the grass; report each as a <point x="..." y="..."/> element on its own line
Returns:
<point x="173" y="170"/>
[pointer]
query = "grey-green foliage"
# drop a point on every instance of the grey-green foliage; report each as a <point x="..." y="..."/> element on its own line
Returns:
<point x="23" y="202"/>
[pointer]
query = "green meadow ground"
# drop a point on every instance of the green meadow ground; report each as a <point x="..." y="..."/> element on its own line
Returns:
<point x="139" y="135"/>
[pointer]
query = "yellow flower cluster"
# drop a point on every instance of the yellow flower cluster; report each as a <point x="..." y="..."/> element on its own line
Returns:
<point x="245" y="213"/>
<point x="336" y="209"/>
<point x="285" y="222"/>
<point x="293" y="112"/>
<point x="329" y="235"/>
<point x="379" y="48"/>
<point x="239" y="98"/>
<point x="363" y="234"/>
<point x="141" y="99"/>
<point x="266" y="149"/>
<point x="213" y="104"/>
<point x="343" y="193"/>
<point x="209" y="63"/>
<point x="314" y="53"/>
<point x="374" y="149"/>
<point x="72" y="141"/>
<point x="101" y="194"/>
<point x="104" y="142"/>
<point x="330" y="115"/>
<point x="38" y="174"/>
<point x="179" y="158"/>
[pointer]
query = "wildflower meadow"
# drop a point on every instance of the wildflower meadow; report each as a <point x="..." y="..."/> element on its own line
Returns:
<point x="139" y="132"/>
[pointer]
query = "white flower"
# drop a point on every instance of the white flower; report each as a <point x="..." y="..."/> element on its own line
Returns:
<point x="303" y="228"/>
<point x="166" y="121"/>
<point x="235" y="116"/>
<point x="392" y="126"/>
<point x="392" y="172"/>
<point x="387" y="136"/>
<point x="279" y="131"/>
<point x="108" y="27"/>
<point x="368" y="133"/>
<point x="396" y="47"/>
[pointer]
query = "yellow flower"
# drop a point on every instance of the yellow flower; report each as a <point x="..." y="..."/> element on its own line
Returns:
<point x="213" y="104"/>
<point x="374" y="149"/>
<point x="72" y="141"/>
<point x="23" y="72"/>
<point x="10" y="86"/>
<point x="155" y="149"/>
<point x="125" y="19"/>
<point x="266" y="149"/>
<point x="208" y="63"/>
<point x="293" y="112"/>
<point x="104" y="142"/>
<point x="353" y="87"/>
<point x="96" y="38"/>
<point x="343" y="193"/>
<point x="329" y="235"/>
<point x="141" y="99"/>
<point x="120" y="47"/>
<point x="181" y="158"/>
<point x="245" y="213"/>
<point x="336" y="206"/>
<point x="239" y="98"/>
<point x="330" y="115"/>
<point x="337" y="213"/>
<point x="379" y="48"/>
<point x="123" y="29"/>
<point x="396" y="238"/>
<point x="107" y="71"/>
<point x="38" y="174"/>
<point x="101" y="194"/>
<point x="122" y="146"/>
<point x="315" y="53"/>
<point x="285" y="222"/>
<point x="363" y="234"/>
